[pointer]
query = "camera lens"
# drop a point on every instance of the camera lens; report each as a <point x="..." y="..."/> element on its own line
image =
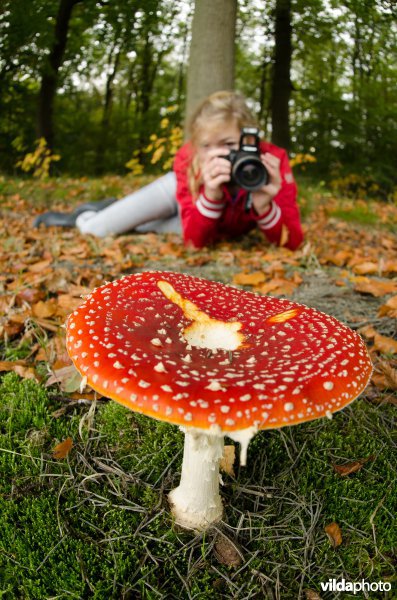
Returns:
<point x="250" y="173"/>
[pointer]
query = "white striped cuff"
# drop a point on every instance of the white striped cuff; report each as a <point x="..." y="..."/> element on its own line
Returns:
<point x="210" y="209"/>
<point x="272" y="217"/>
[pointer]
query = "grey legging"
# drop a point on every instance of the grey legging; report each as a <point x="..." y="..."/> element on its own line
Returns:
<point x="152" y="208"/>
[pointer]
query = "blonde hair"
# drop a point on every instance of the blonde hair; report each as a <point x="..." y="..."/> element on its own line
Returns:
<point x="220" y="107"/>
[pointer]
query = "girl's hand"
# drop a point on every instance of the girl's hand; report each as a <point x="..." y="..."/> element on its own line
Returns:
<point x="262" y="197"/>
<point x="215" y="171"/>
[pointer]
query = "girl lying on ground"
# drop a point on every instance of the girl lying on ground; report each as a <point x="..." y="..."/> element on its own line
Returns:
<point x="199" y="198"/>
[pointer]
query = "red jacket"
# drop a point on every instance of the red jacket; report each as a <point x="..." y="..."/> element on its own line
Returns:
<point x="204" y="222"/>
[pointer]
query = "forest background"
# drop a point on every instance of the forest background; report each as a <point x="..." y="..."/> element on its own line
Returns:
<point x="88" y="87"/>
<point x="104" y="83"/>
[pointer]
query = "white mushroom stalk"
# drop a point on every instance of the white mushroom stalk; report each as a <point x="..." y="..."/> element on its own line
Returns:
<point x="196" y="503"/>
<point x="217" y="361"/>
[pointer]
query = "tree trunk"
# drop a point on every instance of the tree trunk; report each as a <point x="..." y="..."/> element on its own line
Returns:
<point x="281" y="88"/>
<point x="49" y="81"/>
<point x="212" y="51"/>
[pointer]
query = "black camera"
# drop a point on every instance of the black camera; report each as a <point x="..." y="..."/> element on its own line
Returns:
<point x="248" y="171"/>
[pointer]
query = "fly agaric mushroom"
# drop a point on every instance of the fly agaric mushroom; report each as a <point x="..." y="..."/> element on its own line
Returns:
<point x="215" y="360"/>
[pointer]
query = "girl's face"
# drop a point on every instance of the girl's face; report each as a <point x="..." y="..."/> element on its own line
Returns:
<point x="217" y="136"/>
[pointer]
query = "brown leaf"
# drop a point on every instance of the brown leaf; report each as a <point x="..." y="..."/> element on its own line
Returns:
<point x="389" y="309"/>
<point x="367" y="331"/>
<point x="352" y="467"/>
<point x="390" y="266"/>
<point x="366" y="268"/>
<point x="62" y="450"/>
<point x="67" y="304"/>
<point x="385" y="344"/>
<point x="375" y="287"/>
<point x="278" y="287"/>
<point x="312" y="595"/>
<point x="389" y="399"/>
<point x="19" y="367"/>
<point x="11" y="329"/>
<point x="390" y="374"/>
<point x="40" y="266"/>
<point x="43" y="310"/>
<point x="29" y="295"/>
<point x="339" y="259"/>
<point x="227" y="552"/>
<point x="249" y="278"/>
<point x="334" y="534"/>
<point x="284" y="235"/>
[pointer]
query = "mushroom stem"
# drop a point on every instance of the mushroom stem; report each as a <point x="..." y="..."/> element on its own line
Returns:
<point x="196" y="502"/>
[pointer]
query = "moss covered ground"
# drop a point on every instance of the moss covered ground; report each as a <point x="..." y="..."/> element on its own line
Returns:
<point x="96" y="524"/>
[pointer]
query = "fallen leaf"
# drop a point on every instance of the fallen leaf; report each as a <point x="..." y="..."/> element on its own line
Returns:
<point x="29" y="295"/>
<point x="39" y="266"/>
<point x="390" y="266"/>
<point x="249" y="278"/>
<point x="67" y="304"/>
<point x="312" y="595"/>
<point x="389" y="399"/>
<point x="334" y="534"/>
<point x="19" y="367"/>
<point x="284" y="235"/>
<point x="338" y="259"/>
<point x="68" y="378"/>
<point x="367" y="331"/>
<point x="43" y="310"/>
<point x="389" y="375"/>
<point x="62" y="450"/>
<point x="278" y="287"/>
<point x="366" y="268"/>
<point x="10" y="329"/>
<point x="227" y="552"/>
<point x="352" y="467"/>
<point x="389" y="309"/>
<point x="375" y="287"/>
<point x="385" y="344"/>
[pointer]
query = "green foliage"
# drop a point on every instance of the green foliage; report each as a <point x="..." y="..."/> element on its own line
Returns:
<point x="356" y="186"/>
<point x="125" y="62"/>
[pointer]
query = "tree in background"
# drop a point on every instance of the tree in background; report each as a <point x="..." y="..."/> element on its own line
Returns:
<point x="50" y="70"/>
<point x="212" y="50"/>
<point x="281" y="80"/>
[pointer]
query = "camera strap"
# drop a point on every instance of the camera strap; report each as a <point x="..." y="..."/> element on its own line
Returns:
<point x="248" y="202"/>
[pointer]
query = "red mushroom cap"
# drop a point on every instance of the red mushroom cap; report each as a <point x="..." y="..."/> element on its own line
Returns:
<point x="200" y="353"/>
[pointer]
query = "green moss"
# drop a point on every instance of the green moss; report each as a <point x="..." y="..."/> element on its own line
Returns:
<point x="97" y="524"/>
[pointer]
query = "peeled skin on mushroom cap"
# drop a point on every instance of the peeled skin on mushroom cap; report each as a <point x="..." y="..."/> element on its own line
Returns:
<point x="212" y="358"/>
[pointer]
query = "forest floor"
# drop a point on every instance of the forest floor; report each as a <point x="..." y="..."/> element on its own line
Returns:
<point x="83" y="481"/>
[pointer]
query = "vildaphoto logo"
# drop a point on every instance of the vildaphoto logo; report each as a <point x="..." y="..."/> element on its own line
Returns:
<point x="332" y="585"/>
